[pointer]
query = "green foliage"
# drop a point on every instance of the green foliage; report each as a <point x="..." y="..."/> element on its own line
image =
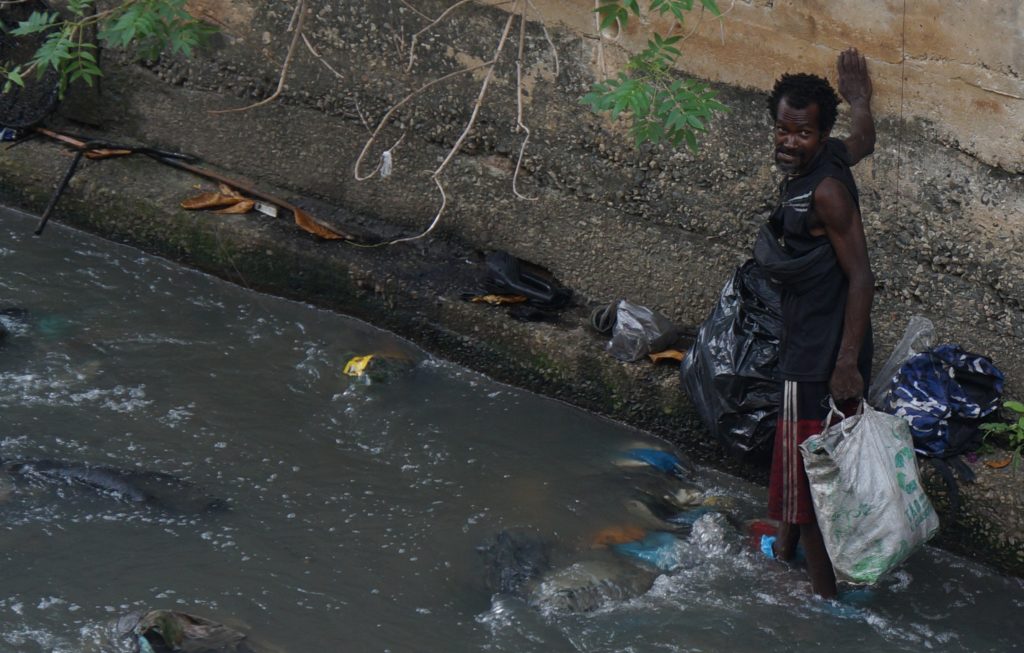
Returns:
<point x="150" y="26"/>
<point x="659" y="105"/>
<point x="1014" y="429"/>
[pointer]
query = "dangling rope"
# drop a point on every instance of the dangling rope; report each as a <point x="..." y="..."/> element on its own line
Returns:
<point x="899" y="131"/>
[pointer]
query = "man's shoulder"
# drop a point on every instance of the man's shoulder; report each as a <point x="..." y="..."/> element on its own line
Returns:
<point x="833" y="177"/>
<point x="838" y="151"/>
<point x="831" y="186"/>
<point x="832" y="198"/>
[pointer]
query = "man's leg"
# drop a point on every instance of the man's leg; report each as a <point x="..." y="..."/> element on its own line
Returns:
<point x="802" y="414"/>
<point x="783" y="477"/>
<point x="784" y="546"/>
<point x="819" y="565"/>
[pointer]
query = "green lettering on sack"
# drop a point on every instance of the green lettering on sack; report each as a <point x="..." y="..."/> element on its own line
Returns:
<point x="907" y="486"/>
<point x="846" y="522"/>
<point x="869" y="568"/>
<point x="917" y="511"/>
<point x="902" y="456"/>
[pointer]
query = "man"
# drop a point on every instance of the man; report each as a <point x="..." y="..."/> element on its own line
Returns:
<point x="814" y="246"/>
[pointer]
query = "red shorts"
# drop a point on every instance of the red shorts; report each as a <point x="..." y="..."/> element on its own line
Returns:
<point x="803" y="413"/>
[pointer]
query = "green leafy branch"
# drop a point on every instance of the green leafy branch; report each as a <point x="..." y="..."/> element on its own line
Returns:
<point x="151" y="26"/>
<point x="1015" y="429"/>
<point x="659" y="106"/>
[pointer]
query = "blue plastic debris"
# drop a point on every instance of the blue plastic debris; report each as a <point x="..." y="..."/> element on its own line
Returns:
<point x="660" y="460"/>
<point x="658" y="549"/>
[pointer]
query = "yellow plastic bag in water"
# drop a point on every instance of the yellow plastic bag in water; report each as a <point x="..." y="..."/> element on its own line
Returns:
<point x="357" y="366"/>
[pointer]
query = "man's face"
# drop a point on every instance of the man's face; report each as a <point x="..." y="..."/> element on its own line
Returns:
<point x="798" y="138"/>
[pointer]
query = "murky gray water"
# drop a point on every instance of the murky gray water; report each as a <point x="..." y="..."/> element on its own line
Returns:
<point x="356" y="508"/>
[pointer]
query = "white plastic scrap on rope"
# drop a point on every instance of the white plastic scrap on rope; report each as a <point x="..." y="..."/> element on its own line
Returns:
<point x="385" y="164"/>
<point x="916" y="338"/>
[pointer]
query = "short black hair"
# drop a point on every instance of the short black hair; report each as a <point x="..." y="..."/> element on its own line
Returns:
<point x="801" y="90"/>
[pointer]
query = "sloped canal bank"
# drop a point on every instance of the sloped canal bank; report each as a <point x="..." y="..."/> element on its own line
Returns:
<point x="414" y="290"/>
<point x="354" y="509"/>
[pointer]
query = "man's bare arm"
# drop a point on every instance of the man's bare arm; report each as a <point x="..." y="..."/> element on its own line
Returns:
<point x="841" y="220"/>
<point x="855" y="87"/>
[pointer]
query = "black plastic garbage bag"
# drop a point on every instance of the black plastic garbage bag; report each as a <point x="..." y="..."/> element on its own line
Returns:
<point x="730" y="371"/>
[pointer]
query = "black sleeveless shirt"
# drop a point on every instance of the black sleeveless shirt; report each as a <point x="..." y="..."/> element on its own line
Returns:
<point x="813" y="313"/>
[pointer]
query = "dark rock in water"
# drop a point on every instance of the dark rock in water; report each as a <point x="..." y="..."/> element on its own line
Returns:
<point x="512" y="558"/>
<point x="518" y="562"/>
<point x="167" y="631"/>
<point x="16" y="322"/>
<point x="14" y="312"/>
<point x="156" y="489"/>
<point x="9" y="313"/>
<point x="589" y="585"/>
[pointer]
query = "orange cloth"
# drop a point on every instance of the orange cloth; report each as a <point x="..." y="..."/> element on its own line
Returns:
<point x="618" y="535"/>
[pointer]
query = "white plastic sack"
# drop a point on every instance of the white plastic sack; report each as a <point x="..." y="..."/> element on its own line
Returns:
<point x="871" y="508"/>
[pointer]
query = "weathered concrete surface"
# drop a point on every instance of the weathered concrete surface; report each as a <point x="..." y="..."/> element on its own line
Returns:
<point x="955" y="65"/>
<point x="660" y="227"/>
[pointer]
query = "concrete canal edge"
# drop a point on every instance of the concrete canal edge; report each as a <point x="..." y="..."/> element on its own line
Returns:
<point x="414" y="290"/>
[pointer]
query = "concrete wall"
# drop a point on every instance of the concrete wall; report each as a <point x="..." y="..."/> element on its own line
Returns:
<point x="942" y="196"/>
<point x="956" y="65"/>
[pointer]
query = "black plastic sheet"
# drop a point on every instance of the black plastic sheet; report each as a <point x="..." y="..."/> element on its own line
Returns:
<point x="730" y="372"/>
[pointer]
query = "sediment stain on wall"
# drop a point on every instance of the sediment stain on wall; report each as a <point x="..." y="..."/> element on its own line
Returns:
<point x="931" y="60"/>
